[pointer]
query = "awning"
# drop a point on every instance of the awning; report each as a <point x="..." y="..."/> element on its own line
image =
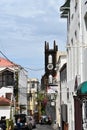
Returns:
<point x="82" y="89"/>
<point x="65" y="6"/>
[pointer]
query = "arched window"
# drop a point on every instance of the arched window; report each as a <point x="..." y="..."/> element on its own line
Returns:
<point x="50" y="79"/>
<point x="50" y="59"/>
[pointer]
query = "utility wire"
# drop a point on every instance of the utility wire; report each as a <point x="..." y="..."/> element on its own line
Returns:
<point x="5" y="56"/>
<point x="40" y="69"/>
<point x="34" y="69"/>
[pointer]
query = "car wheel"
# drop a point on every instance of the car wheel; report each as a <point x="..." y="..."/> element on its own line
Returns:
<point x="34" y="126"/>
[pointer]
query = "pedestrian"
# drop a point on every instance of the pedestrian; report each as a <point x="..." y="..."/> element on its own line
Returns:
<point x="10" y="128"/>
<point x="49" y="120"/>
<point x="3" y="120"/>
<point x="18" y="123"/>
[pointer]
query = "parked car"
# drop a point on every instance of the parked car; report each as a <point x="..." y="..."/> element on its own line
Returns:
<point x="31" y="120"/>
<point x="44" y="119"/>
<point x="21" y="122"/>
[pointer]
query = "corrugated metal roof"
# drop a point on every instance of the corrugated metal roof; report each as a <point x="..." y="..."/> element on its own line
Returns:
<point x="6" y="63"/>
<point x="4" y="101"/>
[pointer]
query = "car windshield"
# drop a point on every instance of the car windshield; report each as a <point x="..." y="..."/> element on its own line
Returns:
<point x="44" y="116"/>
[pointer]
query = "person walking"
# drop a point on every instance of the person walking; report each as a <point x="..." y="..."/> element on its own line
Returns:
<point x="3" y="120"/>
<point x="18" y="124"/>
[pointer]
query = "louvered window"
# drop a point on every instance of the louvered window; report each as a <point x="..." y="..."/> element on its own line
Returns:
<point x="6" y="78"/>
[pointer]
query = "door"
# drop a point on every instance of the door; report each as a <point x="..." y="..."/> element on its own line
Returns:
<point x="78" y="113"/>
<point x="65" y="126"/>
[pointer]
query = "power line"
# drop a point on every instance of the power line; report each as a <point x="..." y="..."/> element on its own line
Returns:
<point x="32" y="69"/>
<point x="5" y="56"/>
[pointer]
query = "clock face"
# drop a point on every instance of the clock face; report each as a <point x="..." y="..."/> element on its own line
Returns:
<point x="50" y="66"/>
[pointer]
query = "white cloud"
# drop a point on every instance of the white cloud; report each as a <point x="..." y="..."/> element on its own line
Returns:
<point x="25" y="25"/>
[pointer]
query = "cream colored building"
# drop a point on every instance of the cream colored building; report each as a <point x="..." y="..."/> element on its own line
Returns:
<point x="33" y="86"/>
<point x="61" y="97"/>
<point x="76" y="13"/>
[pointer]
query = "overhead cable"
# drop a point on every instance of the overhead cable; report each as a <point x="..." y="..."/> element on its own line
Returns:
<point x="32" y="69"/>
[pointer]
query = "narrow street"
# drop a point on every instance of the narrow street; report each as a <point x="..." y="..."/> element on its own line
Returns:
<point x="43" y="65"/>
<point x="43" y="127"/>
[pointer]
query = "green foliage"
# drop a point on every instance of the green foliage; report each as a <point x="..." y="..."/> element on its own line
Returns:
<point x="41" y="99"/>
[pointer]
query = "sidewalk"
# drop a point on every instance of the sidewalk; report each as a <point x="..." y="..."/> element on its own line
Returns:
<point x="55" y="126"/>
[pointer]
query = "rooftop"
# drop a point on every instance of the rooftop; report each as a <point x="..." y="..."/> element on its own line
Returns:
<point x="6" y="63"/>
<point x="4" y="101"/>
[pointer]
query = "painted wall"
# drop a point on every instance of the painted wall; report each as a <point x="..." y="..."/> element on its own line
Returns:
<point x="62" y="91"/>
<point x="22" y="88"/>
<point x="76" y="51"/>
<point x="5" y="111"/>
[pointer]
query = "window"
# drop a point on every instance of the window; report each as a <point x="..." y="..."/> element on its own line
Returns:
<point x="76" y="35"/>
<point x="85" y="18"/>
<point x="8" y="96"/>
<point x="50" y="59"/>
<point x="33" y="85"/>
<point x="72" y="41"/>
<point x="68" y="93"/>
<point x="76" y="6"/>
<point x="6" y="78"/>
<point x="84" y="112"/>
<point x="50" y="79"/>
<point x="0" y="80"/>
<point x="72" y="16"/>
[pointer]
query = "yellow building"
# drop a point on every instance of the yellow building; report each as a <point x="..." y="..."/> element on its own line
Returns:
<point x="33" y="86"/>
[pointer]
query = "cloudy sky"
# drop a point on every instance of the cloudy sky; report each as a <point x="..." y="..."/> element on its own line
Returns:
<point x="24" y="27"/>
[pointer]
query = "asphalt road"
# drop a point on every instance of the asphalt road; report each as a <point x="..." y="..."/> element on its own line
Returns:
<point x="43" y="127"/>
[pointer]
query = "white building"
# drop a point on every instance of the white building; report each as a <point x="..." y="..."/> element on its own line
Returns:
<point x="22" y="89"/>
<point x="13" y="86"/>
<point x="61" y="96"/>
<point x="55" y="91"/>
<point x="5" y="108"/>
<point x="76" y="13"/>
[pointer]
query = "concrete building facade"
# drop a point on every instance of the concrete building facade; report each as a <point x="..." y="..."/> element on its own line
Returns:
<point x="76" y="13"/>
<point x="33" y="88"/>
<point x="13" y="87"/>
<point x="61" y="96"/>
